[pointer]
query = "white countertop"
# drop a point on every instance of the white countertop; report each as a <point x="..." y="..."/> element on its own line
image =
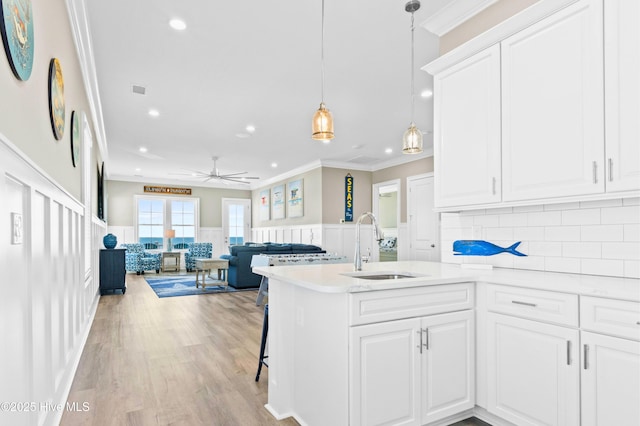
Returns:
<point x="332" y="278"/>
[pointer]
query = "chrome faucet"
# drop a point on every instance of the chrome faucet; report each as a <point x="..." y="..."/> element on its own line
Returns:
<point x="357" y="261"/>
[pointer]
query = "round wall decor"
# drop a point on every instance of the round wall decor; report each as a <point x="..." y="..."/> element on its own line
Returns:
<point x="16" y="26"/>
<point x="56" y="98"/>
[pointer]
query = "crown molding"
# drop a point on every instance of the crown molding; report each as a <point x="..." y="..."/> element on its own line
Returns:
<point x="454" y="14"/>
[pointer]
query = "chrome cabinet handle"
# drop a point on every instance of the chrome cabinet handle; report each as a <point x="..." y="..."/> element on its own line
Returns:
<point x="610" y="170"/>
<point x="517" y="302"/>
<point x="568" y="352"/>
<point x="586" y="356"/>
<point x="493" y="185"/>
<point x="595" y="172"/>
<point x="426" y="335"/>
<point x="420" y="345"/>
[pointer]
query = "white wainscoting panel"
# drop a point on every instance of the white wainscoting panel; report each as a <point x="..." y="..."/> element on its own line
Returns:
<point x="49" y="295"/>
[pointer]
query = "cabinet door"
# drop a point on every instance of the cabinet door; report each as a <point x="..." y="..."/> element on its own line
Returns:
<point x="622" y="94"/>
<point x="610" y="381"/>
<point x="448" y="365"/>
<point x="467" y="131"/>
<point x="533" y="372"/>
<point x="553" y="106"/>
<point x="384" y="373"/>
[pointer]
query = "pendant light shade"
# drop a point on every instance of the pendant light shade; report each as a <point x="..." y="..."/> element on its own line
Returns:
<point x="322" y="124"/>
<point x="412" y="138"/>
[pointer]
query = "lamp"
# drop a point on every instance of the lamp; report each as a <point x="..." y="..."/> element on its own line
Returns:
<point x="169" y="234"/>
<point x="412" y="138"/>
<point x="322" y="123"/>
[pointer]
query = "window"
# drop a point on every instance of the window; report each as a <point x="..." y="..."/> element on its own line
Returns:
<point x="157" y="214"/>
<point x="183" y="222"/>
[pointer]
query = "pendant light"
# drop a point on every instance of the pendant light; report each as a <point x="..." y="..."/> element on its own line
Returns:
<point x="322" y="124"/>
<point x="412" y="138"/>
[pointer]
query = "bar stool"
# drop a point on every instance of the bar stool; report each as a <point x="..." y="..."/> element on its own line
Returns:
<point x="263" y="343"/>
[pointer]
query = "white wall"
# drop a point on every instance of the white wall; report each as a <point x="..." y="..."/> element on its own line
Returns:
<point x="48" y="294"/>
<point x="595" y="237"/>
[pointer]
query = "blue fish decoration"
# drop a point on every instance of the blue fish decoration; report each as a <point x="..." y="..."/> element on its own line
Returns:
<point x="482" y="248"/>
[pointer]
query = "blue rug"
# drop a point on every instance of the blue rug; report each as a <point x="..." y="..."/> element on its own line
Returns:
<point x="185" y="285"/>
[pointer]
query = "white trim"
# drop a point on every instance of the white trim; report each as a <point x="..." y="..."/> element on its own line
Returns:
<point x="454" y="14"/>
<point x="516" y="23"/>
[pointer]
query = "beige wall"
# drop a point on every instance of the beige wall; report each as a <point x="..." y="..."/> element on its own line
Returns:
<point x="24" y="112"/>
<point x="121" y="208"/>
<point x="480" y="23"/>
<point x="312" y="201"/>
<point x="333" y="193"/>
<point x="402" y="172"/>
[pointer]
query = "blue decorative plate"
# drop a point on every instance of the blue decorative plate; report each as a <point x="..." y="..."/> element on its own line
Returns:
<point x="16" y="25"/>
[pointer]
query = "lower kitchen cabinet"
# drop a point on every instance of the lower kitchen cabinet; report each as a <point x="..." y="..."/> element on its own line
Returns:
<point x="533" y="371"/>
<point x="412" y="371"/>
<point x="610" y="380"/>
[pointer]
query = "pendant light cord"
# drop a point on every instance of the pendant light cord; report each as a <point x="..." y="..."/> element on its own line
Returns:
<point x="322" y="55"/>
<point x="412" y="70"/>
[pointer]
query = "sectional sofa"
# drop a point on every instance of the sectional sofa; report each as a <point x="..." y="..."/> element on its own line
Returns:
<point x="239" y="257"/>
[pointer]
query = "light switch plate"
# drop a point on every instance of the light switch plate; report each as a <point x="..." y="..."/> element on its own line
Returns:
<point x="16" y="228"/>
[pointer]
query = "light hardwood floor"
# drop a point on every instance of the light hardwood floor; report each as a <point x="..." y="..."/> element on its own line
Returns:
<point x="187" y="360"/>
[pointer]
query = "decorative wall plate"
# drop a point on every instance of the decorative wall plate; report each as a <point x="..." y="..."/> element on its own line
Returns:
<point x="56" y="98"/>
<point x="76" y="136"/>
<point x="16" y="26"/>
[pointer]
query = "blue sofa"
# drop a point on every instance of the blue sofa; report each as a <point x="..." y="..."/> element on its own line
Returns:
<point x="240" y="275"/>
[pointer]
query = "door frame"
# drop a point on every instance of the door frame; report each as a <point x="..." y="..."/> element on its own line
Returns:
<point x="375" y="208"/>
<point x="225" y="218"/>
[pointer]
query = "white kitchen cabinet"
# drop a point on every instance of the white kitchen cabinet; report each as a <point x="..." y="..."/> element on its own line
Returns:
<point x="622" y="94"/>
<point x="533" y="373"/>
<point x="412" y="371"/>
<point x="467" y="131"/>
<point x="553" y="106"/>
<point x="610" y="380"/>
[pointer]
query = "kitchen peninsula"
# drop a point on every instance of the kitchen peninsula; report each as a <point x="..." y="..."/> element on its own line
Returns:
<point x="435" y="346"/>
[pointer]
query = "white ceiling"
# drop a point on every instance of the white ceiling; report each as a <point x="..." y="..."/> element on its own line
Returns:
<point x="256" y="62"/>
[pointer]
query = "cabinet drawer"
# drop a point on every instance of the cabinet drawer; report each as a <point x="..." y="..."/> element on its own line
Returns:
<point x="386" y="305"/>
<point x="614" y="317"/>
<point x="541" y="305"/>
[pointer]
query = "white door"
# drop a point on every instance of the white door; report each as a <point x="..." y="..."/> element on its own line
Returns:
<point x="533" y="373"/>
<point x="622" y="94"/>
<point x="552" y="106"/>
<point x="448" y="365"/>
<point x="384" y="373"/>
<point x="610" y="381"/>
<point x="422" y="219"/>
<point x="467" y="131"/>
<point x="236" y="221"/>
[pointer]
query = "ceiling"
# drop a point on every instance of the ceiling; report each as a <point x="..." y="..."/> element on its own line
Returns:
<point x="256" y="63"/>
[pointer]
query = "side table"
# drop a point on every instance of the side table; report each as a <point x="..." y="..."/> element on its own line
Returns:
<point x="171" y="255"/>
<point x="202" y="265"/>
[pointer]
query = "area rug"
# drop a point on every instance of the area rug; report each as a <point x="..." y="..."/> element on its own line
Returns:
<point x="185" y="285"/>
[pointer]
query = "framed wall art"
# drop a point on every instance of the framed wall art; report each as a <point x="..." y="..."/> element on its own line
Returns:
<point x="277" y="202"/>
<point x="76" y="136"/>
<point x="56" y="98"/>
<point x="265" y="204"/>
<point x="295" y="198"/>
<point x="16" y="26"/>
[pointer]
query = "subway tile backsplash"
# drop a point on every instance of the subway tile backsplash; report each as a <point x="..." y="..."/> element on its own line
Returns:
<point x="594" y="237"/>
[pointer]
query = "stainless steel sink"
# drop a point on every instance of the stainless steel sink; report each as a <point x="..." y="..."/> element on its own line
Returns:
<point x="384" y="276"/>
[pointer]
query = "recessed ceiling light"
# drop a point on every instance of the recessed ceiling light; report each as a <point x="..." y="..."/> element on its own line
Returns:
<point x="137" y="169"/>
<point x="143" y="149"/>
<point x="388" y="150"/>
<point x="154" y="112"/>
<point x="427" y="93"/>
<point x="177" y="24"/>
<point x="274" y="165"/>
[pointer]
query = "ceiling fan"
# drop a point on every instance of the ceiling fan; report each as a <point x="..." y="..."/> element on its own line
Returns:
<point x="214" y="174"/>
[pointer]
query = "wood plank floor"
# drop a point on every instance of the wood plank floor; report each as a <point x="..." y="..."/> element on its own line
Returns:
<point x="187" y="360"/>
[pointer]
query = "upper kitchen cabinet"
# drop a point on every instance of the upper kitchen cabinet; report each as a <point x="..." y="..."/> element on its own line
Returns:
<point x="543" y="107"/>
<point x="622" y="94"/>
<point x="552" y="106"/>
<point x="467" y="131"/>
